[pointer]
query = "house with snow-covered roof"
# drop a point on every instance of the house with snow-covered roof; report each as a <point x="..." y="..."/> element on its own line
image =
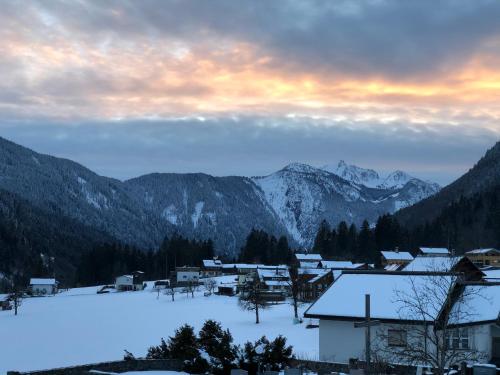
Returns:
<point x="43" y="286"/>
<point x="307" y="260"/>
<point x="480" y="327"/>
<point x="313" y="284"/>
<point x="342" y="307"/>
<point x="484" y="257"/>
<point x="211" y="267"/>
<point x="131" y="282"/>
<point x="395" y="258"/>
<point x="433" y="251"/>
<point x="274" y="279"/>
<point x="457" y="264"/>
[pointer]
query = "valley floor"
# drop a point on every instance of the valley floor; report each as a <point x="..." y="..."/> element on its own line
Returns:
<point x="80" y="326"/>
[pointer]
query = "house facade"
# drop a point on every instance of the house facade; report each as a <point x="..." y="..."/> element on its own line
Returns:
<point x="211" y="268"/>
<point x="342" y="307"/>
<point x="395" y="258"/>
<point x="130" y="282"/>
<point x="484" y="257"/>
<point x="186" y="275"/>
<point x="433" y="251"/>
<point x="43" y="286"/>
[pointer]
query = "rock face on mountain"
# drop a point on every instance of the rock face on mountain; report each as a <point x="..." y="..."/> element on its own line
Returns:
<point x="143" y="210"/>
<point x="484" y="176"/>
<point x="302" y="196"/>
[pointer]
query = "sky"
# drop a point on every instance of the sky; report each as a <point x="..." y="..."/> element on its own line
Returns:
<point x="246" y="87"/>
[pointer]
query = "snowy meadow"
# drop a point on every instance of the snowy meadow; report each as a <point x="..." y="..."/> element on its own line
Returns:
<point x="80" y="326"/>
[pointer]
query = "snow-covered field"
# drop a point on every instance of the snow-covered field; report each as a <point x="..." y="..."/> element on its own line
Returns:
<point x="80" y="326"/>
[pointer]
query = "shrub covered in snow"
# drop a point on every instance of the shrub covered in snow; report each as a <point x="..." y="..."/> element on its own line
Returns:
<point x="213" y="350"/>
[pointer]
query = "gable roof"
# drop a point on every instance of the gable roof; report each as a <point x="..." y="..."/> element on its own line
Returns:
<point x="309" y="264"/>
<point x="345" y="299"/>
<point x="491" y="275"/>
<point x="273" y="273"/>
<point x="483" y="251"/>
<point x="481" y="303"/>
<point x="212" y="263"/>
<point x="338" y="264"/>
<point x="308" y="257"/>
<point x="423" y="263"/>
<point x="434" y="250"/>
<point x="397" y="255"/>
<point x="41" y="281"/>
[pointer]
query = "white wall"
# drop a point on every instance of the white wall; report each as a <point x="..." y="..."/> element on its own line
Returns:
<point x="339" y="341"/>
<point x="43" y="289"/>
<point x="185" y="276"/>
<point x="123" y="280"/>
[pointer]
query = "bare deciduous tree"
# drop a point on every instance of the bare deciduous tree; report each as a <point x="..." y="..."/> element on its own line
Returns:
<point x="171" y="291"/>
<point x="296" y="288"/>
<point x="252" y="297"/>
<point x="210" y="285"/>
<point x="16" y="297"/>
<point x="433" y="302"/>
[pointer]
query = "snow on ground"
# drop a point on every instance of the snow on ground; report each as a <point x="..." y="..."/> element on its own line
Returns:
<point x="79" y="326"/>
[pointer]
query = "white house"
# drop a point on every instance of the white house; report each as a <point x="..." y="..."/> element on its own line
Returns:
<point x="132" y="282"/>
<point x="40" y="286"/>
<point x="343" y="305"/>
<point x="185" y="275"/>
<point x="481" y="326"/>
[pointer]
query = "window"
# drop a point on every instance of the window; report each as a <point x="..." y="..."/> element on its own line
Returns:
<point x="458" y="339"/>
<point x="396" y="337"/>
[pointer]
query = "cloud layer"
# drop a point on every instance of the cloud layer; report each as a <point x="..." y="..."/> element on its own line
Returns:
<point x="374" y="75"/>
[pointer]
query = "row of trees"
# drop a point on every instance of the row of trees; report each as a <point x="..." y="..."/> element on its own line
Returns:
<point x="260" y="247"/>
<point x="104" y="262"/>
<point x="212" y="350"/>
<point x="364" y="244"/>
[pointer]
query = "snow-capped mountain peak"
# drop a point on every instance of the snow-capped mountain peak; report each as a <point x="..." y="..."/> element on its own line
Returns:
<point x="396" y="180"/>
<point x="355" y="174"/>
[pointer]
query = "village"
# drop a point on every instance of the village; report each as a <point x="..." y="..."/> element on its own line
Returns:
<point x="433" y="309"/>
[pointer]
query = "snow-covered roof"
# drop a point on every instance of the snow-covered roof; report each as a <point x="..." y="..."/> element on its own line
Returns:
<point x="309" y="264"/>
<point x="481" y="303"/>
<point x="40" y="281"/>
<point x="397" y="255"/>
<point x="491" y="275"/>
<point x="274" y="272"/>
<point x="306" y="257"/>
<point x="434" y="250"/>
<point x="339" y="264"/>
<point x="432" y="264"/>
<point x="483" y="251"/>
<point x="318" y="277"/>
<point x="276" y="283"/>
<point x="212" y="263"/>
<point x="346" y="296"/>
<point x="310" y="271"/>
<point x="392" y="267"/>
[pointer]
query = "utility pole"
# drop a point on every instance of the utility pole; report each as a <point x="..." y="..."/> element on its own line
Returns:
<point x="367" y="324"/>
